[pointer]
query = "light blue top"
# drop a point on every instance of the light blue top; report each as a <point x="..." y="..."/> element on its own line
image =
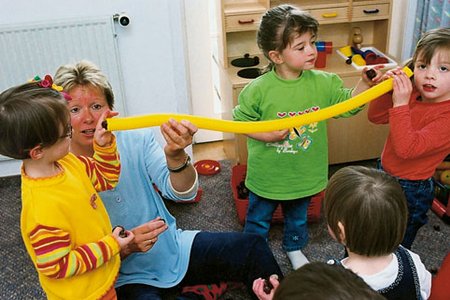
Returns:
<point x="134" y="201"/>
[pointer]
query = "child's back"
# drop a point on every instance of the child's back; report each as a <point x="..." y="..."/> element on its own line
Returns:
<point x="366" y="211"/>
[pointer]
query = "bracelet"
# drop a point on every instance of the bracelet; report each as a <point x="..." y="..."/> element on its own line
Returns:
<point x="181" y="167"/>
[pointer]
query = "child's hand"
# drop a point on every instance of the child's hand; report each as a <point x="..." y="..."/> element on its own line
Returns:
<point x="402" y="89"/>
<point x="122" y="236"/>
<point x="101" y="136"/>
<point x="261" y="287"/>
<point x="270" y="137"/>
<point x="373" y="75"/>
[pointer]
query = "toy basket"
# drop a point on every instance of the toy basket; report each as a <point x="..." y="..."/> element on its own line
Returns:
<point x="238" y="175"/>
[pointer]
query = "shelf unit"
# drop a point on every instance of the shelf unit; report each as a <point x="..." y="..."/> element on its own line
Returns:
<point x="350" y="139"/>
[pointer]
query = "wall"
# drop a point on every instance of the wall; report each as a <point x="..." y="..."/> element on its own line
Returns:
<point x="400" y="9"/>
<point x="152" y="50"/>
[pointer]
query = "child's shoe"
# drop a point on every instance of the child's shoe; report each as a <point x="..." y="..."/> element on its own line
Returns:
<point x="297" y="259"/>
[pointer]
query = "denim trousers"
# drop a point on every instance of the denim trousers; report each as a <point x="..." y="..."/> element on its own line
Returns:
<point x="419" y="196"/>
<point x="217" y="257"/>
<point x="259" y="217"/>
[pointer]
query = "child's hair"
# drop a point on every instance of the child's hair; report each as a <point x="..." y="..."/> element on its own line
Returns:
<point x="280" y="25"/>
<point x="371" y="206"/>
<point x="84" y="73"/>
<point x="322" y="281"/>
<point x="30" y="115"/>
<point x="431" y="41"/>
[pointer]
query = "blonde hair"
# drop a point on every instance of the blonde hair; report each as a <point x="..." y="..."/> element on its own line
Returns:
<point x="84" y="73"/>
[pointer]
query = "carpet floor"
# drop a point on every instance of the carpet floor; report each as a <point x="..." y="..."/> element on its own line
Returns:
<point x="216" y="211"/>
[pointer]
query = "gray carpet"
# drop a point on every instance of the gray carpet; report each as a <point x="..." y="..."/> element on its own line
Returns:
<point x="215" y="212"/>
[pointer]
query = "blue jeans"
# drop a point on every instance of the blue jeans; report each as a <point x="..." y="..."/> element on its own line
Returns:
<point x="259" y="217"/>
<point x="216" y="257"/>
<point x="419" y="196"/>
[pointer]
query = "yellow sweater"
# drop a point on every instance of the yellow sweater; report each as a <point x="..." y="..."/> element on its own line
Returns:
<point x="66" y="229"/>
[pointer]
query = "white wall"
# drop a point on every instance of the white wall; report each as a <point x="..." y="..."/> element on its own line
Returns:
<point x="152" y="48"/>
<point x="401" y="29"/>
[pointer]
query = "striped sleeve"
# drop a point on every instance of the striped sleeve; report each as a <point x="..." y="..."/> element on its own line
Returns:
<point x="56" y="259"/>
<point x="104" y="167"/>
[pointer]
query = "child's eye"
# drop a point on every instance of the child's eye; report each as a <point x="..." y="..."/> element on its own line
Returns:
<point x="421" y="66"/>
<point x="443" y="69"/>
<point x="313" y="42"/>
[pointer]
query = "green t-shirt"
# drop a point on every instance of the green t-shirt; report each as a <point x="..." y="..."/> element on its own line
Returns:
<point x="297" y="166"/>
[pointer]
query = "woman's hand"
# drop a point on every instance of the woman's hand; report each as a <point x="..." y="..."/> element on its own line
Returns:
<point x="145" y="236"/>
<point x="178" y="136"/>
<point x="101" y="136"/>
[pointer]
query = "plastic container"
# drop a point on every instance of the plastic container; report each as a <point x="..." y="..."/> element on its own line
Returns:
<point x="389" y="65"/>
<point x="238" y="175"/>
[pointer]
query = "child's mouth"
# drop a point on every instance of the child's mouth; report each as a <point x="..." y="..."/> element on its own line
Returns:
<point x="429" y="88"/>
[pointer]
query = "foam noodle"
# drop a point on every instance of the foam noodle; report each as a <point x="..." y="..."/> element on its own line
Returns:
<point x="135" y="122"/>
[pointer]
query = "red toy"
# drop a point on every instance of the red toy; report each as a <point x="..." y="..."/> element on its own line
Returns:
<point x="441" y="203"/>
<point x="237" y="178"/>
<point x="323" y="48"/>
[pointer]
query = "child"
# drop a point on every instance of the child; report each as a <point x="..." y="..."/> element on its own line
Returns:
<point x="64" y="224"/>
<point x="419" y="120"/>
<point x="366" y="212"/>
<point x="288" y="168"/>
<point x="318" y="281"/>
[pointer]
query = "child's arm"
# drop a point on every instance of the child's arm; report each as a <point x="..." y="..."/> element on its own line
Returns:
<point x="104" y="167"/>
<point x="56" y="259"/>
<point x="378" y="112"/>
<point x="366" y="82"/>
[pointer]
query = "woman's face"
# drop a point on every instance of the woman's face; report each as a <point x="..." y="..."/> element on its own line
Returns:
<point x="87" y="105"/>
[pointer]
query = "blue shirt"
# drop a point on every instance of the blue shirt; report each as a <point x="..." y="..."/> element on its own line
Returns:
<point x="134" y="201"/>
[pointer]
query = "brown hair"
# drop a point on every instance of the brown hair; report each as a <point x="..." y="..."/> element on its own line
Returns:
<point x="322" y="281"/>
<point x="30" y="115"/>
<point x="431" y="41"/>
<point x="371" y="206"/>
<point x="280" y="24"/>
<point x="84" y="73"/>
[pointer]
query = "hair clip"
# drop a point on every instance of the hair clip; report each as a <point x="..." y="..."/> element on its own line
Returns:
<point x="47" y="82"/>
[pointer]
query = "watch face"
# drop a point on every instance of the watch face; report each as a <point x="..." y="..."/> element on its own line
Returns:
<point x="207" y="167"/>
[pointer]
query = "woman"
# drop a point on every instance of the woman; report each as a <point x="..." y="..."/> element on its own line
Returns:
<point x="180" y="257"/>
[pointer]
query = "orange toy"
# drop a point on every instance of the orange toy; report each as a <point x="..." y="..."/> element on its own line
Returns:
<point x="443" y="171"/>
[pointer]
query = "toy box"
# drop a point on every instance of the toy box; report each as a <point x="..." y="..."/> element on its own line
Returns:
<point x="391" y="63"/>
<point x="238" y="176"/>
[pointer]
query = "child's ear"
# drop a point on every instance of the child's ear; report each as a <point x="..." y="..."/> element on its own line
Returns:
<point x="275" y="57"/>
<point x="341" y="232"/>
<point x="36" y="152"/>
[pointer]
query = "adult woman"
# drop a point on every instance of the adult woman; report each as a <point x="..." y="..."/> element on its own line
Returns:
<point x="180" y="257"/>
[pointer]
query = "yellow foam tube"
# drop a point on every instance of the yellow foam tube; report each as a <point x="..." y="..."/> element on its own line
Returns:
<point x="135" y="122"/>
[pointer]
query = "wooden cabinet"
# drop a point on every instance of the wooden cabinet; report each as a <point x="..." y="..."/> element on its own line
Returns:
<point x="350" y="139"/>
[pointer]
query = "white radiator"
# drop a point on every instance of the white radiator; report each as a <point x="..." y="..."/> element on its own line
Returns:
<point x="33" y="49"/>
